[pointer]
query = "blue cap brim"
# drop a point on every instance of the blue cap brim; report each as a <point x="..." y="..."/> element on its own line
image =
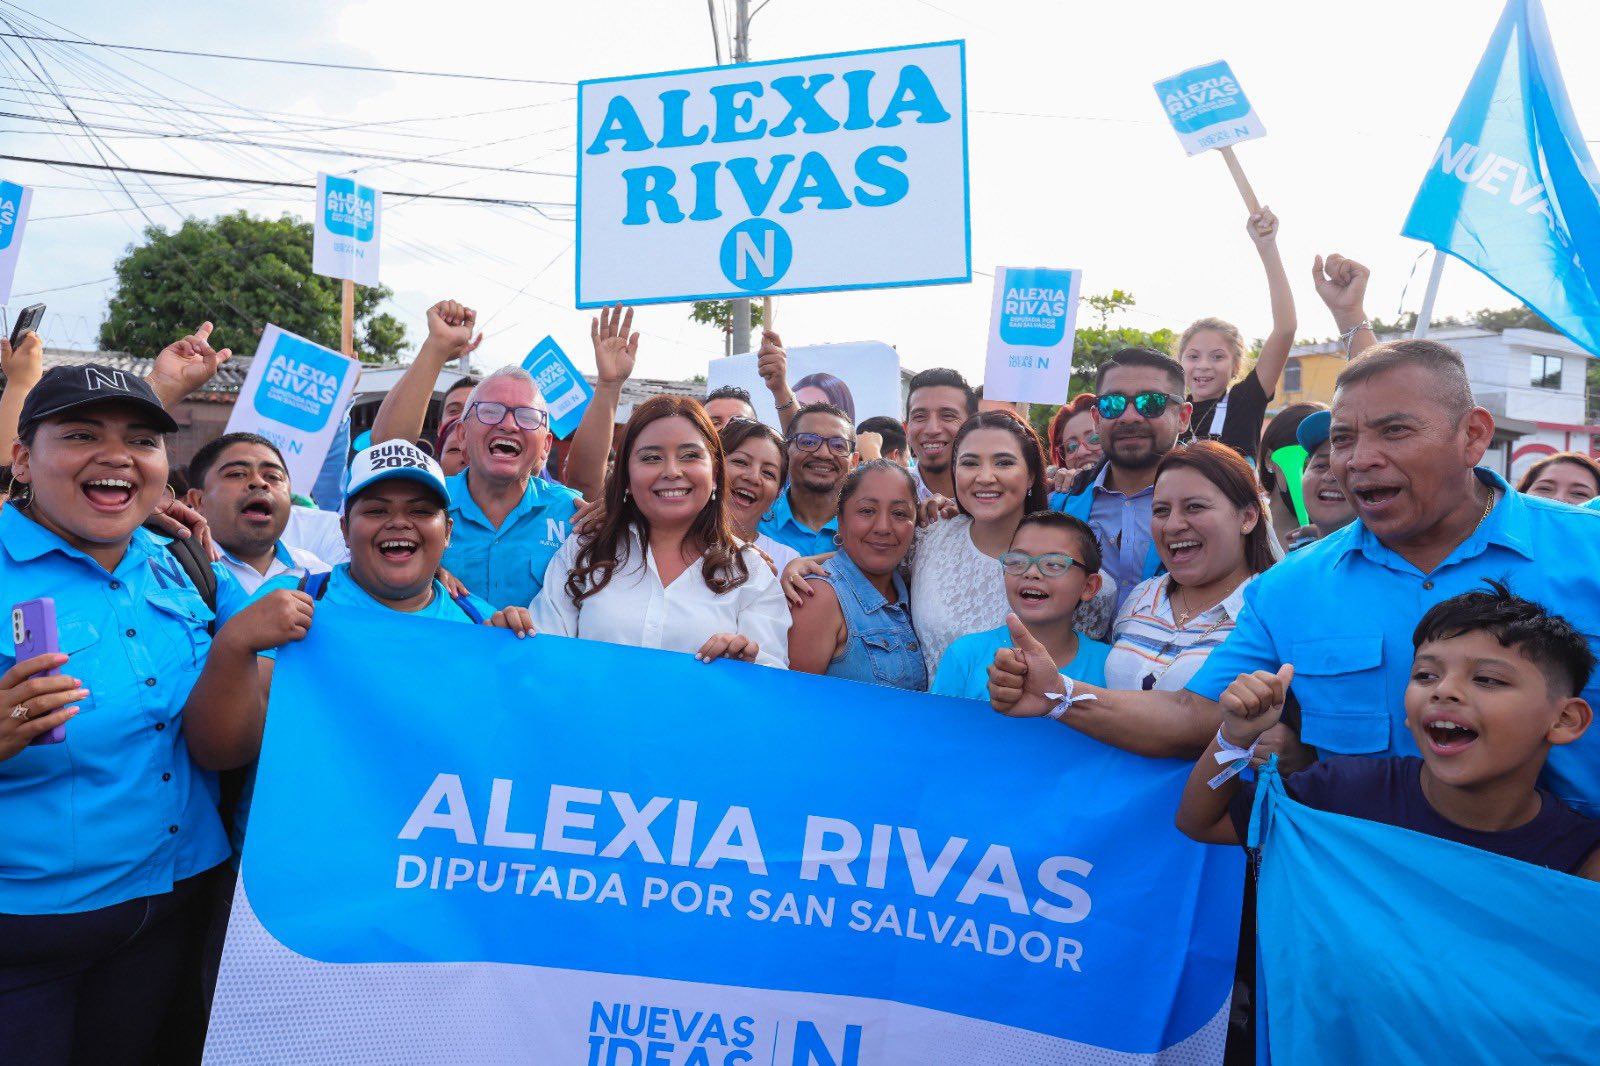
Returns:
<point x="1313" y="430"/>
<point x="404" y="473"/>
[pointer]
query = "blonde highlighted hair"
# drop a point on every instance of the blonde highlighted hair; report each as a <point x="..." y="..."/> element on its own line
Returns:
<point x="1230" y="336"/>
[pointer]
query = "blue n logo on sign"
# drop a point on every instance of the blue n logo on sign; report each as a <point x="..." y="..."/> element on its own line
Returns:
<point x="810" y="1049"/>
<point x="755" y="254"/>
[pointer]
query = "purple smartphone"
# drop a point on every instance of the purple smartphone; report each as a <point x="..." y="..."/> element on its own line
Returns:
<point x="33" y="629"/>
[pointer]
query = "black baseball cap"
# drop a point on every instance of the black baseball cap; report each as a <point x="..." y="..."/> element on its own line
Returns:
<point x="67" y="388"/>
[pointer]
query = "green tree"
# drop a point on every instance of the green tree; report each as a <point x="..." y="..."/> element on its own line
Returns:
<point x="241" y="273"/>
<point x="1093" y="346"/>
<point x="719" y="314"/>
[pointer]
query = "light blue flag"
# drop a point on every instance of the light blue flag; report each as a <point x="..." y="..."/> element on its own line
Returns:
<point x="1382" y="945"/>
<point x="1512" y="189"/>
<point x="564" y="851"/>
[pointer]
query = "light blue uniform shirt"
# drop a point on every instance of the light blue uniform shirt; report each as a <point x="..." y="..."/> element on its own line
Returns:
<point x="964" y="670"/>
<point x="1122" y="526"/>
<point x="506" y="566"/>
<point x="1343" y="610"/>
<point x="782" y="526"/>
<point x="344" y="591"/>
<point x="117" y="810"/>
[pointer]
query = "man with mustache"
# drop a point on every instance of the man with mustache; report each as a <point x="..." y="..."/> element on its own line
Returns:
<point x="1140" y="414"/>
<point x="240" y="484"/>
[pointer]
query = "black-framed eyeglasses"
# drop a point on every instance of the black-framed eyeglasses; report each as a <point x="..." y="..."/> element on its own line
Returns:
<point x="1074" y="445"/>
<point x="1148" y="404"/>
<point x="1050" y="564"/>
<point x="491" y="413"/>
<point x="810" y="442"/>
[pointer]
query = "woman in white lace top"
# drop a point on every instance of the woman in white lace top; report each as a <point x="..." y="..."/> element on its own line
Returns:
<point x="957" y="586"/>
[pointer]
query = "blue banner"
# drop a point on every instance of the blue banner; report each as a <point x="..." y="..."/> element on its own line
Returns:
<point x="593" y="850"/>
<point x="1379" y="944"/>
<point x="565" y="391"/>
<point x="1512" y="188"/>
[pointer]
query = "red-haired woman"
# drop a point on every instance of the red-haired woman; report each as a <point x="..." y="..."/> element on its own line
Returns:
<point x="665" y="569"/>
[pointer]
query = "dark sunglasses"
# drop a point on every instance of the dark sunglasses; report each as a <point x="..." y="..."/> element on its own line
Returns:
<point x="492" y="414"/>
<point x="1148" y="404"/>
<point x="810" y="442"/>
<point x="1051" y="564"/>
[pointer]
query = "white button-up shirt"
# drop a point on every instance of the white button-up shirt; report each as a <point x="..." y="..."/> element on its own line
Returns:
<point x="317" y="532"/>
<point x="635" y="608"/>
<point x="284" y="559"/>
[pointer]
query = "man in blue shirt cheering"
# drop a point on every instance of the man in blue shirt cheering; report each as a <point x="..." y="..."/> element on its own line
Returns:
<point x="1431" y="524"/>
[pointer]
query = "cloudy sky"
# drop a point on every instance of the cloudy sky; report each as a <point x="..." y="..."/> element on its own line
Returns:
<point x="1072" y="162"/>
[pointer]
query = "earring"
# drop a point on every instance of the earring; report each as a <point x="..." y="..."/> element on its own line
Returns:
<point x="838" y="541"/>
<point x="625" y="495"/>
<point x="713" y="494"/>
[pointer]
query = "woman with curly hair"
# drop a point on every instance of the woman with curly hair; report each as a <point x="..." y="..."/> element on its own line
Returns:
<point x="666" y="569"/>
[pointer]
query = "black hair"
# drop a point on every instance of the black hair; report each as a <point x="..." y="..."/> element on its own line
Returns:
<point x="1146" y="357"/>
<point x="941" y="377"/>
<point x="852" y="480"/>
<point x="738" y="430"/>
<point x="729" y="392"/>
<point x="1076" y="526"/>
<point x="1451" y="386"/>
<point x="1280" y="433"/>
<point x="820" y="409"/>
<point x="890" y="429"/>
<point x="466" y="382"/>
<point x="211" y="451"/>
<point x="1038" y="497"/>
<point x="1543" y="638"/>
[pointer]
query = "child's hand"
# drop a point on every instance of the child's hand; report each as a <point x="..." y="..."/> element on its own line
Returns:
<point x="1263" y="226"/>
<point x="1253" y="704"/>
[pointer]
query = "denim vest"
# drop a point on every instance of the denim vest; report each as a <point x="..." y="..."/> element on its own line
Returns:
<point x="883" y="648"/>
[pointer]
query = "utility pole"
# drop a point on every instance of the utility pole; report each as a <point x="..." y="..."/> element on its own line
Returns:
<point x="741" y="54"/>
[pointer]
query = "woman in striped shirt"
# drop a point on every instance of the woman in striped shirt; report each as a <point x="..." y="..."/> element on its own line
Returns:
<point x="1207" y="520"/>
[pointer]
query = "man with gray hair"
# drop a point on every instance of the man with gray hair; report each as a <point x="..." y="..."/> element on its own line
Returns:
<point x="508" y="521"/>
<point x="1405" y="442"/>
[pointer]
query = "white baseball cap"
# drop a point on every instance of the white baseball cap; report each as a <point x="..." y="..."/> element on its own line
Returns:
<point x="394" y="459"/>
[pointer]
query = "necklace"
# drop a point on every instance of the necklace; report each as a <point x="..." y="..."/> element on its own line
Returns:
<point x="1487" y="507"/>
<point x="1183" y="601"/>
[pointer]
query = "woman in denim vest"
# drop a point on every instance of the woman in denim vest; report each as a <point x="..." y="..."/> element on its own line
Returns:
<point x="858" y="625"/>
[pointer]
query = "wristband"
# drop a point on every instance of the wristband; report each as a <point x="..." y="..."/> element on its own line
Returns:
<point x="785" y="406"/>
<point x="1349" y="336"/>
<point x="1236" y="757"/>
<point x="1066" y="698"/>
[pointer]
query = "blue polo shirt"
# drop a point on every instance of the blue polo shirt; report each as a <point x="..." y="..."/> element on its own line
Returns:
<point x="117" y="810"/>
<point x="1122" y="526"/>
<point x="1343" y="609"/>
<point x="782" y="526"/>
<point x="964" y="669"/>
<point x="506" y="566"/>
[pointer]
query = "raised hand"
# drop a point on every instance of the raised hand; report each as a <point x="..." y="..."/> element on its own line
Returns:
<point x="772" y="363"/>
<point x="450" y="326"/>
<point x="1263" y="226"/>
<point x="1253" y="704"/>
<point x="1342" y="284"/>
<point x="1022" y="674"/>
<point x="185" y="365"/>
<point x="615" y="346"/>
<point x="23" y="364"/>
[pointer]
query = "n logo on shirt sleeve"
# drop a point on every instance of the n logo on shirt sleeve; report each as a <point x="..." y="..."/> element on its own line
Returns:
<point x="555" y="531"/>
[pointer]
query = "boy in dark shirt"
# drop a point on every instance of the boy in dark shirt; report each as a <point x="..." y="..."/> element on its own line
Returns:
<point x="1494" y="684"/>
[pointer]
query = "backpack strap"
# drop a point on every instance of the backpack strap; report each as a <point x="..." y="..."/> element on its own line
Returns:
<point x="314" y="585"/>
<point x="465" y="603"/>
<point x="196" y="567"/>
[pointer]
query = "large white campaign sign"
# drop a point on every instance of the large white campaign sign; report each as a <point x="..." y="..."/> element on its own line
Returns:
<point x="349" y="219"/>
<point x="295" y="395"/>
<point x="14" y="201"/>
<point x="1208" y="109"/>
<point x="861" y="378"/>
<point x="1031" y="334"/>
<point x="842" y="171"/>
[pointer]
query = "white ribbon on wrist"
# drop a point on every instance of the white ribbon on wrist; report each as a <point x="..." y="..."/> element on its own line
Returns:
<point x="1236" y="757"/>
<point x="1065" y="698"/>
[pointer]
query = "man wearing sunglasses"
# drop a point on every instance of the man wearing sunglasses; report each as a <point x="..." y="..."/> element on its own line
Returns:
<point x="822" y="450"/>
<point x="1139" y="414"/>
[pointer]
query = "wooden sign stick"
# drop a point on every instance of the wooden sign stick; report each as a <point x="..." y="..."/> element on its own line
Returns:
<point x="766" y="312"/>
<point x="1240" y="180"/>
<point x="347" y="317"/>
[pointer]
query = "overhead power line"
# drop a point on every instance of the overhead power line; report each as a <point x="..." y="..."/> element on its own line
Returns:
<point x="284" y="62"/>
<point x="536" y="205"/>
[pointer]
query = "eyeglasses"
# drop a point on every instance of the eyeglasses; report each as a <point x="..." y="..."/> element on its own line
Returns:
<point x="1051" y="564"/>
<point x="492" y="414"/>
<point x="1148" y="404"/>
<point x="1074" y="445"/>
<point x="810" y="442"/>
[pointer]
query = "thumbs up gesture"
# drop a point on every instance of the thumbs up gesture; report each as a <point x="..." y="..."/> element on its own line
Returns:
<point x="1021" y="675"/>
<point x="1253" y="704"/>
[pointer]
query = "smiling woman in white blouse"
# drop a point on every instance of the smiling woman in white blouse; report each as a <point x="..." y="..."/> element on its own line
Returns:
<point x="665" y="569"/>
